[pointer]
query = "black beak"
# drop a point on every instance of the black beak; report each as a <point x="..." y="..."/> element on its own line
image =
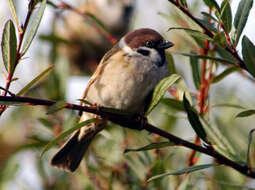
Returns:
<point x="165" y="44"/>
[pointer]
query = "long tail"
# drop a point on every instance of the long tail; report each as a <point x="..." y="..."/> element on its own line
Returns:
<point x="71" y="153"/>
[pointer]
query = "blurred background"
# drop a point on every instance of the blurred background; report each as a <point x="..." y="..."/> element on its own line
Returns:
<point x="74" y="46"/>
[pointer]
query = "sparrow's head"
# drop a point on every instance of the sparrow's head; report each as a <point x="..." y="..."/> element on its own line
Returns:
<point x="146" y="42"/>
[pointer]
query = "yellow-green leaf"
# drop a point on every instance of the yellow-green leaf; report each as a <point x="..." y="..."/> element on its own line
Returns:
<point x="151" y="146"/>
<point x="37" y="78"/>
<point x="9" y="46"/>
<point x="194" y="120"/>
<point x="246" y="113"/>
<point x="13" y="11"/>
<point x="248" y="51"/>
<point x="64" y="134"/>
<point x="33" y="24"/>
<point x="160" y="90"/>
<point x="241" y="17"/>
<point x="183" y="171"/>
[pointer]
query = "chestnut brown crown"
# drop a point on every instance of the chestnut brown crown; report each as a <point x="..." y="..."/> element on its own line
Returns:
<point x="148" y="38"/>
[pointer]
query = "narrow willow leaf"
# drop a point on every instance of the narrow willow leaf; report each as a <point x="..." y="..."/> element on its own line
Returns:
<point x="219" y="38"/>
<point x="56" y="107"/>
<point x="228" y="105"/>
<point x="209" y="16"/>
<point x="85" y="102"/>
<point x="173" y="103"/>
<point x="246" y="113"/>
<point x="13" y="11"/>
<point x="225" y="54"/>
<point x="248" y="51"/>
<point x="210" y="26"/>
<point x="184" y="3"/>
<point x="36" y="79"/>
<point x="183" y="171"/>
<point x="184" y="184"/>
<point x="226" y="15"/>
<point x="241" y="17"/>
<point x="46" y="122"/>
<point x="160" y="90"/>
<point x="9" y="46"/>
<point x="249" y="147"/>
<point x="194" y="120"/>
<point x="222" y="60"/>
<point x="11" y="103"/>
<point x="212" y="4"/>
<point x="171" y="65"/>
<point x="192" y="32"/>
<point x="151" y="146"/>
<point x="225" y="73"/>
<point x="195" y="71"/>
<point x="64" y="134"/>
<point x="34" y="24"/>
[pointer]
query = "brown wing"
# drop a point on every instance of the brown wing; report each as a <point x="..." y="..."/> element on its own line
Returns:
<point x="100" y="68"/>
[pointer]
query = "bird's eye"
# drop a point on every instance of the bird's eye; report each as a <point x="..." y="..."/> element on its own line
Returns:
<point x="149" y="44"/>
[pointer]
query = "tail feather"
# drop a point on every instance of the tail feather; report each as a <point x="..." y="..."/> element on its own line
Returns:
<point x="71" y="153"/>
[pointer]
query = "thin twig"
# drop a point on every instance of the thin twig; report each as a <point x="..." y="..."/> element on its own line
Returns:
<point x="209" y="33"/>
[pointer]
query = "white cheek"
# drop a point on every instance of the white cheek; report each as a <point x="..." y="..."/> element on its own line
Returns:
<point x="154" y="55"/>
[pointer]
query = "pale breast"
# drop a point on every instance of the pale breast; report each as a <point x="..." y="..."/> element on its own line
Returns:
<point x="124" y="84"/>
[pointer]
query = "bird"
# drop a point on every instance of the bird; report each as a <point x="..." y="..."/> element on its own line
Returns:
<point x="124" y="80"/>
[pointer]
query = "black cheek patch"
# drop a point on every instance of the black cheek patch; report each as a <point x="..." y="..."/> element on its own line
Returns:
<point x="143" y="52"/>
<point x="163" y="58"/>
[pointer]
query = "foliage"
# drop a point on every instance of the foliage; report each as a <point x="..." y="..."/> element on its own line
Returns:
<point x="200" y="100"/>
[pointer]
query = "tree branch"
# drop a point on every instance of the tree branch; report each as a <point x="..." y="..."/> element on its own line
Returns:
<point x="240" y="62"/>
<point x="137" y="122"/>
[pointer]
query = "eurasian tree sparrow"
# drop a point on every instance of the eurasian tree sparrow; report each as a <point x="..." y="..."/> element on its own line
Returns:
<point x="124" y="79"/>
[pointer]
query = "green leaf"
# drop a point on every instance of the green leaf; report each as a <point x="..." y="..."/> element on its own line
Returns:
<point x="226" y="15"/>
<point x="225" y="73"/>
<point x="194" y="120"/>
<point x="241" y="17"/>
<point x="34" y="24"/>
<point x="192" y="32"/>
<point x="171" y="65"/>
<point x="195" y="71"/>
<point x="209" y="16"/>
<point x="249" y="147"/>
<point x="176" y="104"/>
<point x="150" y="146"/>
<point x="228" y="105"/>
<point x="219" y="38"/>
<point x="246" y="113"/>
<point x="222" y="60"/>
<point x="210" y="26"/>
<point x="36" y="79"/>
<point x="160" y="90"/>
<point x="56" y="107"/>
<point x="9" y="46"/>
<point x="248" y="51"/>
<point x="183" y="171"/>
<point x="184" y="3"/>
<point x="66" y="133"/>
<point x="11" y="103"/>
<point x="46" y="122"/>
<point x="13" y="11"/>
<point x="212" y="4"/>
